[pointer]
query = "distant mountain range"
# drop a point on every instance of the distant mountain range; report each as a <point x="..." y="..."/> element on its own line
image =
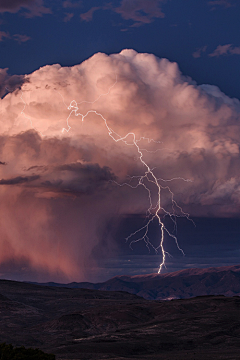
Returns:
<point x="175" y="285"/>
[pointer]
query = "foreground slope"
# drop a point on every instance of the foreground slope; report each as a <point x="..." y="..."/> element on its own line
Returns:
<point x="91" y="324"/>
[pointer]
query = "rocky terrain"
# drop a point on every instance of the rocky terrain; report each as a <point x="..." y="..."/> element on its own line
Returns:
<point x="96" y="325"/>
<point x="176" y="285"/>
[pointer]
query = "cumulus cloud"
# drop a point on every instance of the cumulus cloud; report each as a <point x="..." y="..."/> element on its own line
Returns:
<point x="227" y="49"/>
<point x="62" y="187"/>
<point x="34" y="7"/>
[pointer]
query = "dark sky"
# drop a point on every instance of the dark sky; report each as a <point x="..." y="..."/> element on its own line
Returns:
<point x="58" y="209"/>
<point x="201" y="36"/>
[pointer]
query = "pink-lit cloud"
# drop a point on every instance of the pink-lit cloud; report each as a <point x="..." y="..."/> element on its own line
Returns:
<point x="58" y="189"/>
<point x="4" y="35"/>
<point x="68" y="17"/>
<point x="17" y="37"/>
<point x="199" y="52"/>
<point x="89" y="14"/>
<point x="21" y="38"/>
<point x="227" y="49"/>
<point x="224" y="3"/>
<point x="140" y="11"/>
<point x="72" y="4"/>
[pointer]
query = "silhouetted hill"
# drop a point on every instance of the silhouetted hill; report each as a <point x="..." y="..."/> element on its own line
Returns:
<point x="176" y="285"/>
<point x="86" y="324"/>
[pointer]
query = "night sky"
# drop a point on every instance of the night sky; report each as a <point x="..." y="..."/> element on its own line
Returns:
<point x="166" y="70"/>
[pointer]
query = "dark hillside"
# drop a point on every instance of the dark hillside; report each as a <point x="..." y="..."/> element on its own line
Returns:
<point x="92" y="324"/>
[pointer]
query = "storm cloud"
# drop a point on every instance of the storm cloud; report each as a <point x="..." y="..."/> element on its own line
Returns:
<point x="65" y="174"/>
<point x="14" y="5"/>
<point x="9" y="83"/>
<point x="18" y="180"/>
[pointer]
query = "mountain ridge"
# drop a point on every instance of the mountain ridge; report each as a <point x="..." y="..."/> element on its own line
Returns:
<point x="180" y="284"/>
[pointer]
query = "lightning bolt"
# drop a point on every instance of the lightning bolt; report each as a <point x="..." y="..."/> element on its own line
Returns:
<point x="153" y="213"/>
<point x="73" y="107"/>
